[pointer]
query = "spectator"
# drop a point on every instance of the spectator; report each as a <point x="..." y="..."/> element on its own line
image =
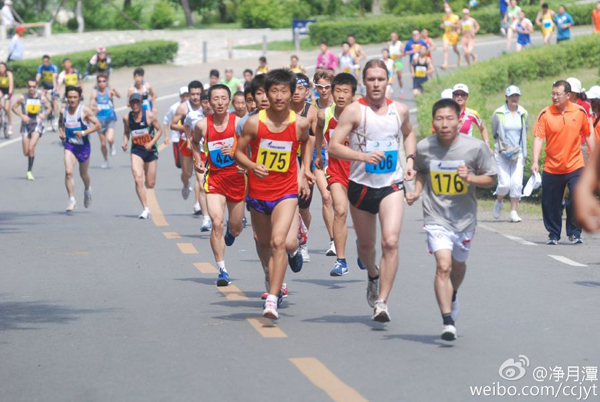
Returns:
<point x="563" y="22"/>
<point x="263" y="68"/>
<point x="326" y="58"/>
<point x="596" y="18"/>
<point x="503" y="6"/>
<point x="545" y="20"/>
<point x="511" y="19"/>
<point x="564" y="160"/>
<point x="15" y="47"/>
<point x="8" y="20"/>
<point x="509" y="128"/>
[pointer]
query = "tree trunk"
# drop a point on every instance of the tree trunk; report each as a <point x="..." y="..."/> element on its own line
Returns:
<point x="436" y="6"/>
<point x="189" y="17"/>
<point x="126" y="4"/>
<point x="376" y="8"/>
<point x="79" y="16"/>
<point x="222" y="11"/>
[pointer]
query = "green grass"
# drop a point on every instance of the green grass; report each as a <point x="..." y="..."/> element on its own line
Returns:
<point x="525" y="207"/>
<point x="282" y="45"/>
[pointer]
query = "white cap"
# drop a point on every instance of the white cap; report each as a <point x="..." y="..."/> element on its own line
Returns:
<point x="534" y="182"/>
<point x="575" y="85"/>
<point x="8" y="3"/>
<point x="593" y="92"/>
<point x="183" y="91"/>
<point x="460" y="87"/>
<point x="512" y="90"/>
<point x="447" y="93"/>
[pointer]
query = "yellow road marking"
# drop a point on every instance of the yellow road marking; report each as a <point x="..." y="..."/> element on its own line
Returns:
<point x="171" y="235"/>
<point x="232" y="292"/>
<point x="157" y="216"/>
<point x="187" y="248"/>
<point x="266" y="328"/>
<point x="320" y="376"/>
<point x="206" y="268"/>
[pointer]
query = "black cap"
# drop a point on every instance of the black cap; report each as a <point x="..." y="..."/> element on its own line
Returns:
<point x="135" y="97"/>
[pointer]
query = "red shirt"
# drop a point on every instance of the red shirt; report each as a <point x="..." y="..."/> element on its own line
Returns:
<point x="336" y="167"/>
<point x="219" y="163"/>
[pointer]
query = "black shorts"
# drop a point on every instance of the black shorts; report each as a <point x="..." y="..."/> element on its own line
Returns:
<point x="147" y="156"/>
<point x="368" y="198"/>
<point x="305" y="204"/>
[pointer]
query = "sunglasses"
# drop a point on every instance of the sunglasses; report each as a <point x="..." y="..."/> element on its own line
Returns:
<point x="31" y="86"/>
<point x="101" y="80"/>
<point x="460" y="94"/>
<point x="319" y="86"/>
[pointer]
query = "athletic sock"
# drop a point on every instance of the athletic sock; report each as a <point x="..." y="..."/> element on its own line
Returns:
<point x="342" y="260"/>
<point x="454" y="296"/>
<point x="372" y="279"/>
<point x="30" y="163"/>
<point x="221" y="266"/>
<point x="71" y="198"/>
<point x="448" y="319"/>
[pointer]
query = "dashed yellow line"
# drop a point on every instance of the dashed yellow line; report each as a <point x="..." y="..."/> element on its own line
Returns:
<point x="206" y="268"/>
<point x="266" y="328"/>
<point x="187" y="248"/>
<point x="171" y="235"/>
<point x="157" y="216"/>
<point x="232" y="292"/>
<point x="323" y="378"/>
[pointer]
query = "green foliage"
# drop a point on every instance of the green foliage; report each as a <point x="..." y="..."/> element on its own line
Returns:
<point x="134" y="12"/>
<point x="163" y="15"/>
<point x="133" y="55"/>
<point x="271" y="13"/>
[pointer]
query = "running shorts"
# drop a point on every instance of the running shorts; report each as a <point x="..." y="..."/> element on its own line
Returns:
<point x="231" y="186"/>
<point x="183" y="149"/>
<point x="368" y="198"/>
<point x="35" y="125"/>
<point x="266" y="207"/>
<point x="177" y="155"/>
<point x="147" y="156"/>
<point x="82" y="152"/>
<point x="450" y="37"/>
<point x="440" y="238"/>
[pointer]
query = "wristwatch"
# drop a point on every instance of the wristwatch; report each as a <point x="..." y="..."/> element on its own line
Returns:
<point x="411" y="156"/>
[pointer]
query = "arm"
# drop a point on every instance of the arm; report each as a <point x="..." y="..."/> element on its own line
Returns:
<point x="116" y="93"/>
<point x="61" y="128"/>
<point x="319" y="138"/>
<point x="476" y="26"/>
<point x="47" y="107"/>
<point x="430" y="69"/>
<point x="129" y="92"/>
<point x="16" y="108"/>
<point x="410" y="141"/>
<point x="179" y="115"/>
<point x="157" y="128"/>
<point x="93" y="101"/>
<point x="537" y="150"/>
<point x="484" y="181"/>
<point x="11" y="84"/>
<point x="199" y="132"/>
<point x="93" y="122"/>
<point x="538" y="19"/>
<point x="153" y="96"/>
<point x="484" y="134"/>
<point x="419" y="185"/>
<point x="248" y="134"/>
<point x="587" y="207"/>
<point x="126" y="132"/>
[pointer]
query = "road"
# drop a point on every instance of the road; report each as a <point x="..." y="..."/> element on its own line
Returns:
<point x="100" y="306"/>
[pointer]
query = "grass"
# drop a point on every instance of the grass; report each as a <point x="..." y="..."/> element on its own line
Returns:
<point x="525" y="207"/>
<point x="281" y="45"/>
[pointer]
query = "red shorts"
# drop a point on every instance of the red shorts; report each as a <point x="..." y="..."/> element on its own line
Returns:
<point x="232" y="186"/>
<point x="183" y="149"/>
<point x="176" y="155"/>
<point x="338" y="171"/>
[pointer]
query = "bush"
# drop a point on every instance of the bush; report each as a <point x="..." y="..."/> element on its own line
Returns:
<point x="375" y="30"/>
<point x="163" y="15"/>
<point x="271" y="13"/>
<point x="133" y="55"/>
<point x="134" y="13"/>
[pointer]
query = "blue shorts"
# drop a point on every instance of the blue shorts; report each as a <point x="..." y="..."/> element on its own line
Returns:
<point x="523" y="40"/>
<point x="147" y="156"/>
<point x="81" y="151"/>
<point x="266" y="207"/>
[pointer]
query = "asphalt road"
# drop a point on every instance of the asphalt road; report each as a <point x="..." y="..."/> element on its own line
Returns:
<point x="100" y="306"/>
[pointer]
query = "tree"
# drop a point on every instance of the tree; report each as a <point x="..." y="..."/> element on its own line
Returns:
<point x="126" y="4"/>
<point x="189" y="16"/>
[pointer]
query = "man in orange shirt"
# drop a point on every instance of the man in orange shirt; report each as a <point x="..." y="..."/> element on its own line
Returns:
<point x="561" y="124"/>
<point x="596" y="18"/>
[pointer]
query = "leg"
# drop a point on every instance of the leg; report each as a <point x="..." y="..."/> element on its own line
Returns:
<point x="200" y="191"/>
<point x="25" y="143"/>
<point x="516" y="183"/>
<point x="110" y="136"/>
<point x="186" y="170"/>
<point x="261" y="225"/>
<point x="553" y="188"/>
<point x="150" y="169"/>
<point x="391" y="212"/>
<point x="291" y="240"/>
<point x="35" y="137"/>
<point x="446" y="46"/>
<point x="281" y="220"/>
<point x="572" y="228"/>
<point x="103" y="148"/>
<point x="327" y="201"/>
<point x="216" y="210"/>
<point x="340" y="213"/>
<point x="83" y="172"/>
<point x="455" y="48"/>
<point x="8" y="113"/>
<point x="459" y="269"/>
<point x="365" y="226"/>
<point x="69" y="182"/>
<point x="509" y="35"/>
<point x="137" y="168"/>
<point x="442" y="283"/>
<point x="236" y="216"/>
<point x="306" y="217"/>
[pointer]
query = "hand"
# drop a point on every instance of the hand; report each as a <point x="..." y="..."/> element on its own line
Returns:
<point x="240" y="169"/>
<point x="167" y="140"/>
<point x="303" y="189"/>
<point x="78" y="133"/>
<point x="373" y="158"/>
<point x="411" y="197"/>
<point x="124" y="146"/>
<point x="535" y="168"/>
<point x="260" y="171"/>
<point x="62" y="135"/>
<point x="188" y="143"/>
<point x="319" y="161"/>
<point x="200" y="167"/>
<point x="463" y="173"/>
<point x="149" y="146"/>
<point x="409" y="171"/>
<point x="310" y="178"/>
<point x="226" y="150"/>
<point x="412" y="75"/>
<point x="26" y="119"/>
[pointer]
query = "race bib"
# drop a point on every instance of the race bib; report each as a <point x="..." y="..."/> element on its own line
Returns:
<point x="141" y="136"/>
<point x="346" y="70"/>
<point x="389" y="162"/>
<point x="420" y="71"/>
<point x="547" y="24"/>
<point x="445" y="179"/>
<point x="71" y="137"/>
<point x="218" y="158"/>
<point x="33" y="106"/>
<point x="275" y="155"/>
<point x="71" y="79"/>
<point x="105" y="110"/>
<point x="47" y="76"/>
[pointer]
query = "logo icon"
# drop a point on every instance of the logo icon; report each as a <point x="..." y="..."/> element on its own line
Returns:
<point x="512" y="370"/>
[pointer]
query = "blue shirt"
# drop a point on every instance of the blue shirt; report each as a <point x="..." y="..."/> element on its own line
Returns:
<point x="47" y="72"/>
<point x="563" y="19"/>
<point x="411" y="44"/>
<point x="15" y="48"/>
<point x="503" y="7"/>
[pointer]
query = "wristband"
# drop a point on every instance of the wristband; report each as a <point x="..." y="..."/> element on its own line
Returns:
<point x="411" y="156"/>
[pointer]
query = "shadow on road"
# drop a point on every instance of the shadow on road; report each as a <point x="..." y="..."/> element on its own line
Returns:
<point x="589" y="284"/>
<point x="426" y="339"/>
<point x="328" y="283"/>
<point x="348" y="319"/>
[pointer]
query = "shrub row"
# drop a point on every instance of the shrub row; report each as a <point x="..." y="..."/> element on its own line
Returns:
<point x="133" y="55"/>
<point x="375" y="30"/>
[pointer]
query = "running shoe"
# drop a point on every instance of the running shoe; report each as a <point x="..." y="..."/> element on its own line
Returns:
<point x="270" y="310"/>
<point x="206" y="224"/>
<point x="295" y="261"/>
<point x="449" y="333"/>
<point x="197" y="209"/>
<point x="304" y="252"/>
<point x="245" y="222"/>
<point x="455" y="309"/>
<point x="497" y="209"/>
<point x="145" y="214"/>
<point x="284" y="290"/>
<point x="87" y="197"/>
<point x="514" y="217"/>
<point x="264" y="295"/>
<point x="185" y="192"/>
<point x="229" y="238"/>
<point x="380" y="312"/>
<point x="223" y="278"/>
<point x="72" y="205"/>
<point x="340" y="268"/>
<point x="29" y="176"/>
<point x="302" y="231"/>
<point x="575" y="239"/>
<point x="552" y="242"/>
<point x="113" y="150"/>
<point x="372" y="291"/>
<point x="331" y="251"/>
<point x="105" y="165"/>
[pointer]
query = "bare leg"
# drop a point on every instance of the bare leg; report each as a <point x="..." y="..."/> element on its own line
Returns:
<point x="216" y="210"/>
<point x="70" y="161"/>
<point x="137" y="168"/>
<point x="327" y="201"/>
<point x="103" y="146"/>
<point x="281" y="220"/>
<point x="340" y="213"/>
<point x="83" y="172"/>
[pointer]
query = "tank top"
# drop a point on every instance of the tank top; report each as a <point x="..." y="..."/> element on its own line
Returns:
<point x="330" y="124"/>
<point x="218" y="163"/>
<point x="346" y="63"/>
<point x="395" y="50"/>
<point x="275" y="151"/>
<point x="74" y="122"/>
<point x="377" y="133"/>
<point x="4" y="82"/>
<point x="106" y="112"/>
<point x="32" y="105"/>
<point x="193" y="115"/>
<point x="102" y="65"/>
<point x="421" y="68"/>
<point x="547" y="21"/>
<point x="145" y="95"/>
<point x="141" y="133"/>
<point x="467" y="26"/>
<point x="72" y="77"/>
<point x="297" y="69"/>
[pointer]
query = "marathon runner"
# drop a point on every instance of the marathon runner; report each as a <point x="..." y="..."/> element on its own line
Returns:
<point x="375" y="125"/>
<point x="450" y="167"/>
<point x="30" y="107"/>
<point x="225" y="183"/>
<point x="421" y="69"/>
<point x="76" y="123"/>
<point x="7" y="85"/>
<point x="47" y="76"/>
<point x="144" y="129"/>
<point x="248" y="75"/>
<point x="174" y="135"/>
<point x="274" y="135"/>
<point x="239" y="104"/>
<point x="144" y="89"/>
<point x="263" y="67"/>
<point x="396" y="54"/>
<point x="348" y="62"/>
<point x="250" y="102"/>
<point x="469" y="28"/>
<point x="524" y="30"/>
<point x="69" y="77"/>
<point x="545" y="20"/>
<point x="469" y="117"/>
<point x="102" y="61"/>
<point x="357" y="51"/>
<point x="101" y="102"/>
<point x="295" y="67"/>
<point x="450" y="25"/>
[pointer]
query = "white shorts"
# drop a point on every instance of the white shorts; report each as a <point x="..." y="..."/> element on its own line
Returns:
<point x="440" y="238"/>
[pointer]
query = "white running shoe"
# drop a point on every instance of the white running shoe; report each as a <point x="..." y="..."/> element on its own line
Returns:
<point x="87" y="197"/>
<point x="380" y="313"/>
<point x="105" y="165"/>
<point x="113" y="150"/>
<point x="206" y="224"/>
<point x="331" y="252"/>
<point x="372" y="291"/>
<point x="145" y="214"/>
<point x="304" y="253"/>
<point x="270" y="310"/>
<point x="455" y="309"/>
<point x="185" y="192"/>
<point x="514" y="217"/>
<point x="448" y="333"/>
<point x="72" y="205"/>
<point x="497" y="209"/>
<point x="197" y="209"/>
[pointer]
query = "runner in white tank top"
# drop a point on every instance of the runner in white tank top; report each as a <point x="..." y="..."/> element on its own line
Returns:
<point x="374" y="125"/>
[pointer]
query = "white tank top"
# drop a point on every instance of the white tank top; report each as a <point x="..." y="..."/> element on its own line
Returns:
<point x="193" y="116"/>
<point x="377" y="133"/>
<point x="395" y="50"/>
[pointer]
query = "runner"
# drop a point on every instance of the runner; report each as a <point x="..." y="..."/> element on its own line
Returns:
<point x="357" y="51"/>
<point x="348" y="62"/>
<point x="102" y="103"/>
<point x="248" y="75"/>
<point x="375" y="125"/>
<point x="262" y="68"/>
<point x="511" y="19"/>
<point x="144" y="89"/>
<point x="47" y="75"/>
<point x="7" y="85"/>
<point x="421" y="69"/>
<point x="395" y="51"/>
<point x="469" y="28"/>
<point x="391" y="67"/>
<point x="225" y="184"/>
<point x="468" y="116"/>
<point x="413" y="45"/>
<point x="450" y="167"/>
<point x="250" y="102"/>
<point x="69" y="77"/>
<point x="144" y="130"/>
<point x="337" y="170"/>
<point x="76" y="123"/>
<point x="545" y="20"/>
<point x="101" y="61"/>
<point x="524" y="30"/>
<point x="450" y="25"/>
<point x="213" y="79"/>
<point x="273" y="181"/>
<point x="175" y="135"/>
<point x="295" y="67"/>
<point x="30" y="107"/>
<point x="239" y="104"/>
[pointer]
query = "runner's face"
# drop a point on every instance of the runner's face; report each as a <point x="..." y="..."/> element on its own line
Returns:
<point x="351" y="40"/>
<point x="323" y="48"/>
<point x="248" y="76"/>
<point x="68" y="65"/>
<point x="31" y="88"/>
<point x="445" y="124"/>
<point x="261" y="100"/>
<point x="102" y="83"/>
<point x="73" y="99"/>
<point x="184" y="97"/>
<point x="279" y="96"/>
<point x="194" y="95"/>
<point x="46" y="62"/>
<point x="294" y="62"/>
<point x="136" y="106"/>
<point x="138" y="79"/>
<point x="219" y="101"/>
<point x="461" y="98"/>
<point x="394" y="37"/>
<point x="300" y="94"/>
<point x="323" y="88"/>
<point x="239" y="104"/>
<point x="250" y="104"/>
<point x="206" y="107"/>
<point x="345" y="48"/>
<point x="376" y="81"/>
<point x="213" y="80"/>
<point x="342" y="95"/>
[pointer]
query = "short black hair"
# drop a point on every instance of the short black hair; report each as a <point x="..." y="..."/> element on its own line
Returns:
<point x="324" y="42"/>
<point x="219" y="86"/>
<point x="445" y="103"/>
<point x="214" y="73"/>
<point x="345" y="79"/>
<point x="345" y="43"/>
<point x="262" y="59"/>
<point x="66" y="59"/>
<point x="195" y="85"/>
<point x="247" y="91"/>
<point x="239" y="93"/>
<point x="257" y="83"/>
<point x="32" y="79"/>
<point x="45" y="57"/>
<point x="281" y="76"/>
<point x="204" y="96"/>
<point x="72" y="88"/>
<point x="139" y="71"/>
<point x="563" y="83"/>
<point x="352" y="35"/>
<point x="248" y="71"/>
<point x="545" y="5"/>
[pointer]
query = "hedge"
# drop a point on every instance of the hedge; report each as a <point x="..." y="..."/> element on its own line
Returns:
<point x="133" y="55"/>
<point x="377" y="30"/>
